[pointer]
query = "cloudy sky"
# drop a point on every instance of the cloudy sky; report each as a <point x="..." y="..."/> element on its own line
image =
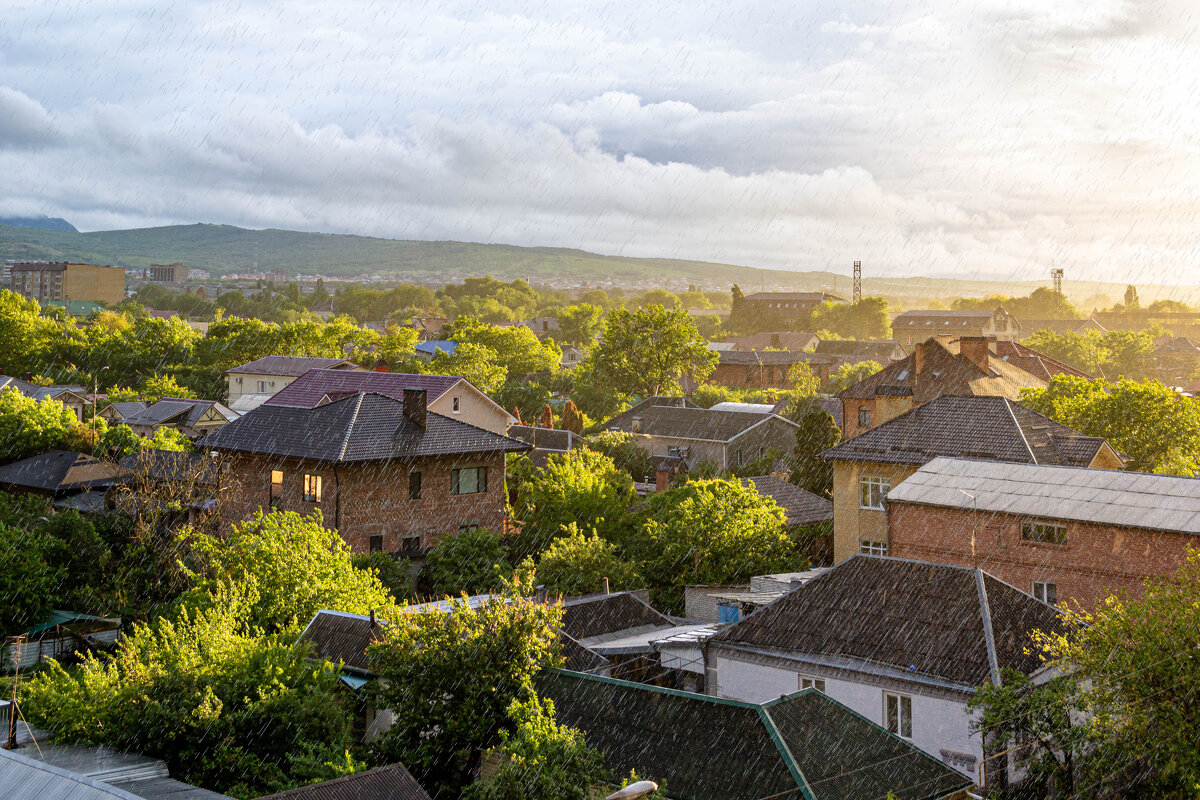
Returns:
<point x="984" y="138"/>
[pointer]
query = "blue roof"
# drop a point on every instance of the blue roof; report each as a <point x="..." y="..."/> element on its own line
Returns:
<point x="431" y="347"/>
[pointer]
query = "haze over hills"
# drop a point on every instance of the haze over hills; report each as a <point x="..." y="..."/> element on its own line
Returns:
<point x="225" y="249"/>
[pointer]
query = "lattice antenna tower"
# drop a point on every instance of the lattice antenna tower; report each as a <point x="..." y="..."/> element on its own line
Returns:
<point x="857" y="281"/>
<point x="1057" y="275"/>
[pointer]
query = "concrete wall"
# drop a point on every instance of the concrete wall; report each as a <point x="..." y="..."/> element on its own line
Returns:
<point x="248" y="383"/>
<point x="1094" y="561"/>
<point x="851" y="524"/>
<point x="474" y="408"/>
<point x="941" y="724"/>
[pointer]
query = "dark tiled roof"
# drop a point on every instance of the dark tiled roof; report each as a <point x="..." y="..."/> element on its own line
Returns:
<point x="923" y="619"/>
<point x="24" y="387"/>
<point x="935" y="318"/>
<point x="801" y="507"/>
<point x="362" y="427"/>
<point x="974" y="427"/>
<point x="578" y="658"/>
<point x="687" y="423"/>
<point x="945" y="371"/>
<point x="393" y="782"/>
<point x="292" y="366"/>
<point x="309" y="389"/>
<point x="803" y="745"/>
<point x="178" y="411"/>
<point x="1035" y="363"/>
<point x="128" y="409"/>
<point x="167" y="465"/>
<point x="59" y="471"/>
<point x="768" y="358"/>
<point x="878" y="351"/>
<point x="598" y="615"/>
<point x="341" y="637"/>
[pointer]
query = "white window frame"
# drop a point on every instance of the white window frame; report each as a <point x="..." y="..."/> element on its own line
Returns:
<point x="1046" y="591"/>
<point x="903" y="704"/>
<point x="805" y="682"/>
<point x="871" y="489"/>
<point x="867" y="547"/>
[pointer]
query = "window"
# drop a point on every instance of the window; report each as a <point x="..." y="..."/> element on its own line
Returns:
<point x="872" y="548"/>
<point x="468" y="480"/>
<point x="410" y="545"/>
<point x="1048" y="532"/>
<point x="1046" y="592"/>
<point x="468" y="528"/>
<point x="897" y="714"/>
<point x="873" y="491"/>
<point x="312" y="488"/>
<point x="455" y="405"/>
<point x="812" y="683"/>
<point x="414" y="486"/>
<point x="276" y="486"/>
<point x="376" y="543"/>
<point x="262" y="386"/>
<point x="864" y="417"/>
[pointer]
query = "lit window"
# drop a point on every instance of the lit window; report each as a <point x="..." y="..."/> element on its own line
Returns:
<point x="1046" y="532"/>
<point x="312" y="488"/>
<point x="813" y="683"/>
<point x="1046" y="592"/>
<point x="897" y="714"/>
<point x="873" y="492"/>
<point x="870" y="548"/>
<point x="468" y="480"/>
<point x="276" y="486"/>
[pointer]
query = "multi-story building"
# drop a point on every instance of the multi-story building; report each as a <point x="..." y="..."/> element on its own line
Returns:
<point x="912" y="327"/>
<point x="59" y="280"/>
<point x="167" y="273"/>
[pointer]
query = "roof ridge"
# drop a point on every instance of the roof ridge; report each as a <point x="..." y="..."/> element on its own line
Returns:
<point x="789" y="760"/>
<point x="350" y="427"/>
<point x="1008" y="404"/>
<point x="985" y="612"/>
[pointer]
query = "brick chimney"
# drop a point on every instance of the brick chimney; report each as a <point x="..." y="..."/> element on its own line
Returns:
<point x="381" y="365"/>
<point x="662" y="478"/>
<point x="976" y="349"/>
<point x="919" y="358"/>
<point x="414" y="406"/>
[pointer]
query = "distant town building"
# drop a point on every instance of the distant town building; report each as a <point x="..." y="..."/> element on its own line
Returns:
<point x="781" y="309"/>
<point x="167" y="273"/>
<point x="913" y="327"/>
<point x="59" y="280"/>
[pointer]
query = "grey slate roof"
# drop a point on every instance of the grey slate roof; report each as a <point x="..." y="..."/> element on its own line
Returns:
<point x="603" y="614"/>
<point x="802" y="507"/>
<point x="339" y="636"/>
<point x="974" y="427"/>
<point x="1105" y="497"/>
<point x="312" y="387"/>
<point x="178" y="411"/>
<point x="393" y="782"/>
<point x="59" y="471"/>
<point x="290" y="366"/>
<point x="129" y="408"/>
<point x="361" y="427"/>
<point x="687" y="423"/>
<point x="803" y="745"/>
<point x="921" y="619"/>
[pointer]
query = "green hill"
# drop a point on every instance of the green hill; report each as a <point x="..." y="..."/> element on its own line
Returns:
<point x="225" y="249"/>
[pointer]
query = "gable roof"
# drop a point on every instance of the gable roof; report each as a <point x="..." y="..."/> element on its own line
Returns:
<point x="802" y="507"/>
<point x="768" y="358"/>
<point x="312" y="387"/>
<point x="60" y="471"/>
<point x="25" y="778"/>
<point x="803" y="745"/>
<point x="689" y="423"/>
<point x="126" y="408"/>
<point x="934" y="318"/>
<point x="289" y="366"/>
<point x="956" y="625"/>
<point x="1101" y="496"/>
<point x="944" y="371"/>
<point x="880" y="351"/>
<point x="361" y="427"/>
<point x="1037" y="364"/>
<point x="603" y="614"/>
<point x="178" y="411"/>
<point x="393" y="782"/>
<point x="339" y="636"/>
<point x="976" y="427"/>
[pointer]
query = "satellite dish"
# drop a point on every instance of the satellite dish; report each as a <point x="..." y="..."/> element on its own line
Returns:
<point x="634" y="790"/>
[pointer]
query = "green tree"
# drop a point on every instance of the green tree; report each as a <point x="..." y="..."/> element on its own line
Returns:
<point x="29" y="427"/>
<point x="23" y="334"/>
<point x="804" y="381"/>
<point x="225" y="707"/>
<point x="293" y="565"/>
<point x="29" y="585"/>
<point x="712" y="532"/>
<point x="817" y="432"/>
<point x="580" y="324"/>
<point x="576" y="563"/>
<point x="540" y="758"/>
<point x="647" y="351"/>
<point x="471" y="562"/>
<point x="1156" y="427"/>
<point x="625" y="453"/>
<point x="475" y="362"/>
<point x="848" y="374"/>
<point x="866" y="319"/>
<point x="582" y="487"/>
<point x="156" y="387"/>
<point x="1083" y="350"/>
<point x="516" y="348"/>
<point x="1132" y="303"/>
<point x="450" y="678"/>
<point x="394" y="573"/>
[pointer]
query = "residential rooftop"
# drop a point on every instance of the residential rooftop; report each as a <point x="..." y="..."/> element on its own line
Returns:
<point x="289" y="366"/>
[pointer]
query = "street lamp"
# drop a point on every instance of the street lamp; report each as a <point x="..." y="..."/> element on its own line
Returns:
<point x="974" y="524"/>
<point x="634" y="791"/>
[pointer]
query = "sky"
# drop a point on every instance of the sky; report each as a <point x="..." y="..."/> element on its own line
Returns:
<point x="993" y="138"/>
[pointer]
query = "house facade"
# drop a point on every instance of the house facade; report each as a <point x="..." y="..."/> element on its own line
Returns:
<point x="782" y="310"/>
<point x="249" y="385"/>
<point x="59" y="280"/>
<point x="387" y="474"/>
<point x="1064" y="534"/>
<point x="912" y="327"/>
<point x="868" y="466"/>
<point x="766" y="369"/>
<point x="193" y="418"/>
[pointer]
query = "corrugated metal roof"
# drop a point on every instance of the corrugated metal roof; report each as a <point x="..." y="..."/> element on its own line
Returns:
<point x="23" y="778"/>
<point x="1106" y="497"/>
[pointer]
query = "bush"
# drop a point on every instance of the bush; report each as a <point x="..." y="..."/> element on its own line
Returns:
<point x="578" y="564"/>
<point x="473" y="562"/>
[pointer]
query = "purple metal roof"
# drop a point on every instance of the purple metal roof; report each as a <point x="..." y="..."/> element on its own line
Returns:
<point x="307" y="390"/>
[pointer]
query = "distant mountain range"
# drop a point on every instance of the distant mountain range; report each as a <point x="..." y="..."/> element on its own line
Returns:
<point x="225" y="249"/>
<point x="45" y="223"/>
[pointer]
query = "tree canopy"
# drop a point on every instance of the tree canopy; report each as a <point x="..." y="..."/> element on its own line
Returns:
<point x="647" y="351"/>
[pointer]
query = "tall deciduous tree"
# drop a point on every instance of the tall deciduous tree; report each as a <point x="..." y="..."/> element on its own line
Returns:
<point x="471" y="562"/>
<point x="576" y="563"/>
<point x="847" y="375"/>
<point x="647" y="351"/>
<point x="29" y="427"/>
<point x="578" y="487"/>
<point x="580" y="324"/>
<point x="817" y="433"/>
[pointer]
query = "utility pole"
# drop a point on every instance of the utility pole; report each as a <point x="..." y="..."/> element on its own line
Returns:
<point x="857" y="281"/>
<point x="11" y="742"/>
<point x="1056" y="275"/>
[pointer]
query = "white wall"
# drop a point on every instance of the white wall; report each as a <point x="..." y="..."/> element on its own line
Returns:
<point x="939" y="723"/>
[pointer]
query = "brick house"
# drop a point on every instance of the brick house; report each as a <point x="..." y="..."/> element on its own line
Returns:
<point x="969" y="367"/>
<point x="766" y="369"/>
<point x="664" y="426"/>
<point x="782" y="310"/>
<point x="866" y="467"/>
<point x="387" y="474"/>
<point x="1064" y="533"/>
<point x="912" y="327"/>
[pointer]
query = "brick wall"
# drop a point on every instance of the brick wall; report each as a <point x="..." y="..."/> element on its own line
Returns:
<point x="364" y="500"/>
<point x="1094" y="561"/>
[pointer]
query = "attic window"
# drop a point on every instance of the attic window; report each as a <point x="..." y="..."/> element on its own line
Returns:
<point x="455" y="405"/>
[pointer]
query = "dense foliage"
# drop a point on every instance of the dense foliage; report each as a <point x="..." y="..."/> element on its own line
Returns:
<point x="471" y="562"/>
<point x="578" y="563"/>
<point x="648" y="351"/>
<point x="581" y="487"/>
